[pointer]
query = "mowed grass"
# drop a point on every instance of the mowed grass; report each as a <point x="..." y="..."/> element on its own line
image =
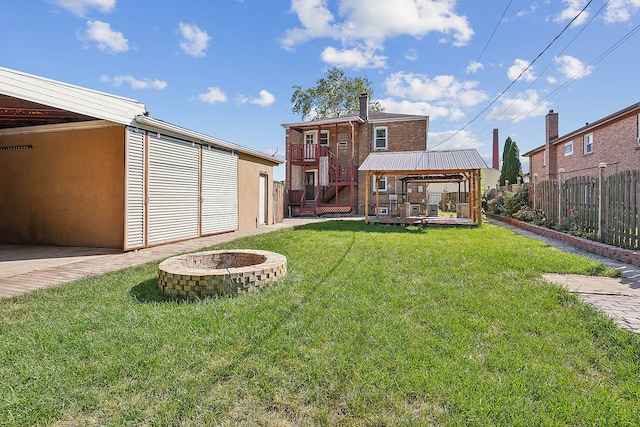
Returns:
<point x="373" y="326"/>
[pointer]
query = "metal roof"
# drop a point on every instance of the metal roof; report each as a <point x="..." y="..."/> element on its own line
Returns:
<point x="67" y="97"/>
<point x="29" y="100"/>
<point x="408" y="161"/>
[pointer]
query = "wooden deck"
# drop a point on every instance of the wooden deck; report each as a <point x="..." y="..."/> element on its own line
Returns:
<point x="425" y="221"/>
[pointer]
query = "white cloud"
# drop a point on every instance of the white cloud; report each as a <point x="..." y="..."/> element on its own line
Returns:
<point x="621" y="10"/>
<point x="194" y="40"/>
<point x="265" y="99"/>
<point x="135" y="83"/>
<point x="80" y="7"/>
<point x="106" y="38"/>
<point x="519" y="65"/>
<point x="572" y="68"/>
<point x="573" y="7"/>
<point x="525" y="106"/>
<point x="454" y="141"/>
<point x="212" y="96"/>
<point x="411" y="55"/>
<point x="353" y="58"/>
<point x="421" y="108"/>
<point x="371" y="22"/>
<point x="443" y="89"/>
<point x="474" y="67"/>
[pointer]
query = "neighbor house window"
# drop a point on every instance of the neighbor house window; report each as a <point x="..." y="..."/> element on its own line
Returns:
<point x="568" y="148"/>
<point x="544" y="158"/>
<point x="324" y="138"/>
<point x="380" y="138"/>
<point x="383" y="211"/>
<point x="343" y="140"/>
<point x="588" y="143"/>
<point x="380" y="184"/>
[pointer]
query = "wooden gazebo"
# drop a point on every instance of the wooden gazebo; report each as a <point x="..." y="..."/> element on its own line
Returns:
<point x="467" y="163"/>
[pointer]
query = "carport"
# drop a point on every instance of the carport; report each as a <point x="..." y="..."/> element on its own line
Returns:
<point x="445" y="165"/>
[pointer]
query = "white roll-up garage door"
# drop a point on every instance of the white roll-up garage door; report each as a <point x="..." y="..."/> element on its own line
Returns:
<point x="219" y="191"/>
<point x="174" y="190"/>
<point x="134" y="192"/>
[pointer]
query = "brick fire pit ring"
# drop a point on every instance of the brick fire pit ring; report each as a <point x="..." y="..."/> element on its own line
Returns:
<point x="215" y="273"/>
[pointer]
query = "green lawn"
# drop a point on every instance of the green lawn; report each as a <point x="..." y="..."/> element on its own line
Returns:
<point x="372" y="326"/>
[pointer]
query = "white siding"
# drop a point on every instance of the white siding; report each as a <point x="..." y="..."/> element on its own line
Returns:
<point x="174" y="190"/>
<point x="134" y="193"/>
<point x="219" y="191"/>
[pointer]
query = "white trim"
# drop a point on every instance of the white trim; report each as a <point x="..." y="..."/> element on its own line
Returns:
<point x="587" y="142"/>
<point x="568" y="148"/>
<point x="374" y="184"/>
<point x="386" y="138"/>
<point x="324" y="132"/>
<point x="60" y="127"/>
<point x="383" y="210"/>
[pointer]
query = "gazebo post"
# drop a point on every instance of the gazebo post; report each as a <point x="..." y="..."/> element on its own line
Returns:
<point x="366" y="197"/>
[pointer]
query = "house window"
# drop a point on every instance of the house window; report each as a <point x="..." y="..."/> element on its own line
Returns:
<point x="380" y="138"/>
<point x="324" y="138"/>
<point x="544" y="158"/>
<point x="588" y="143"/>
<point x="309" y="137"/>
<point x="381" y="184"/>
<point x="383" y="210"/>
<point x="343" y="140"/>
<point x="568" y="148"/>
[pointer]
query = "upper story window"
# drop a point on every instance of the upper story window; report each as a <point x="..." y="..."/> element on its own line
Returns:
<point x="343" y="140"/>
<point x="380" y="137"/>
<point x="310" y="137"/>
<point x="568" y="148"/>
<point x="588" y="143"/>
<point x="544" y="158"/>
<point x="324" y="137"/>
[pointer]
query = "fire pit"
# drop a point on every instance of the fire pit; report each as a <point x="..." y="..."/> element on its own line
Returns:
<point x="214" y="273"/>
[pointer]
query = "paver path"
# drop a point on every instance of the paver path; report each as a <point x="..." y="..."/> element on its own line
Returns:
<point x="617" y="298"/>
<point x="43" y="276"/>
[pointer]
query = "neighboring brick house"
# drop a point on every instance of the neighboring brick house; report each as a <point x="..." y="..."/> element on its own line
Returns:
<point x="323" y="157"/>
<point x="614" y="140"/>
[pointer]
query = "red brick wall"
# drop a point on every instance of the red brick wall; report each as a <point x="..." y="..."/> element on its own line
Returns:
<point x="614" y="144"/>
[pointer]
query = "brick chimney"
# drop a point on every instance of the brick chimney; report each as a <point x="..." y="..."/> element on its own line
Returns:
<point x="364" y="106"/>
<point x="551" y="134"/>
<point x="496" y="155"/>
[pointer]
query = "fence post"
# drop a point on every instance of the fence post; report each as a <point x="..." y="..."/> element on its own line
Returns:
<point x="560" y="179"/>
<point x="602" y="166"/>
<point x="535" y="184"/>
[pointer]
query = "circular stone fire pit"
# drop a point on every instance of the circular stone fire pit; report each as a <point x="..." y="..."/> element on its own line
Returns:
<point x="213" y="273"/>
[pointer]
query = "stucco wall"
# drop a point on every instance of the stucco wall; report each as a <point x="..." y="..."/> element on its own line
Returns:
<point x="67" y="190"/>
<point x="249" y="171"/>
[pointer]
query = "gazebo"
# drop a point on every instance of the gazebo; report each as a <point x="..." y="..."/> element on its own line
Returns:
<point x="441" y="164"/>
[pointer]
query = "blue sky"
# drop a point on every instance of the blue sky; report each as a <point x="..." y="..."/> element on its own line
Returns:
<point x="226" y="67"/>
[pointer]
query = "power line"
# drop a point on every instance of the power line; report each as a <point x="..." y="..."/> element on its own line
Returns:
<point x="518" y="77"/>
<point x="475" y="65"/>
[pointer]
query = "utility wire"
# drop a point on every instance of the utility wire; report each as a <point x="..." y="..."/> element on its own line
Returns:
<point x="475" y="65"/>
<point x="555" y="59"/>
<point x="517" y="78"/>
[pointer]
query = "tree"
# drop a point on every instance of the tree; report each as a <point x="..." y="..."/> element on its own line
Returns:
<point x="333" y="96"/>
<point x="511" y="166"/>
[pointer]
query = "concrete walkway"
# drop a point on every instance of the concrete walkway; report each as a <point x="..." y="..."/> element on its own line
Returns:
<point x="617" y="298"/>
<point x="27" y="268"/>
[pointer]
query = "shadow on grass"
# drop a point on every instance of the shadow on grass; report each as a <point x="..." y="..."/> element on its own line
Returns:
<point x="148" y="291"/>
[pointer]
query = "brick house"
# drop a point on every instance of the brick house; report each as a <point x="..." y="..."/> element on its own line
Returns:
<point x="614" y="140"/>
<point x="323" y="157"/>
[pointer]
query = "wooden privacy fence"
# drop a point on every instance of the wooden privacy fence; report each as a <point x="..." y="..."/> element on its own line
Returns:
<point x="603" y="208"/>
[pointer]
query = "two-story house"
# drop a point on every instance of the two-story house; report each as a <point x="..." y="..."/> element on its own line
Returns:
<point x="323" y="157"/>
<point x="614" y="140"/>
